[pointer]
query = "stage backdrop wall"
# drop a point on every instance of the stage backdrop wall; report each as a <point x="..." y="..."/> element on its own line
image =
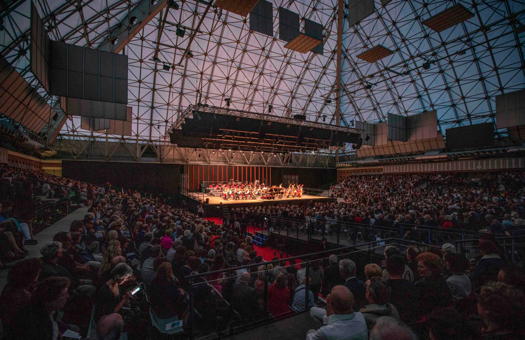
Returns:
<point x="311" y="178"/>
<point x="195" y="175"/>
<point x="157" y="178"/>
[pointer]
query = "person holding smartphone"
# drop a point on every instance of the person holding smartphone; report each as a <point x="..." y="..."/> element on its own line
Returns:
<point x="109" y="302"/>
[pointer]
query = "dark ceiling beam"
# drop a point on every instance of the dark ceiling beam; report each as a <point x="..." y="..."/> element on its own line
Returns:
<point x="122" y="33"/>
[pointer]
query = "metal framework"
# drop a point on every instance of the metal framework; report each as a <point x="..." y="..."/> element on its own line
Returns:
<point x="132" y="149"/>
<point x="193" y="53"/>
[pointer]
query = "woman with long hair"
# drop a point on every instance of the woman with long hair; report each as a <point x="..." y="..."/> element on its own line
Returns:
<point x="110" y="299"/>
<point x="167" y="299"/>
<point x="279" y="296"/>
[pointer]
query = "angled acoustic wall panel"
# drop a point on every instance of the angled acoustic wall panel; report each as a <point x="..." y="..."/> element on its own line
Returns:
<point x="21" y="102"/>
<point x="261" y="18"/>
<point x="39" y="49"/>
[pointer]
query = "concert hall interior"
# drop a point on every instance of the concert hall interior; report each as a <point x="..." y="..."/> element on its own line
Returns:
<point x="262" y="169"/>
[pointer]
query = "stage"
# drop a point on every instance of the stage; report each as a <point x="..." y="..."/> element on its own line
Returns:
<point x="209" y="200"/>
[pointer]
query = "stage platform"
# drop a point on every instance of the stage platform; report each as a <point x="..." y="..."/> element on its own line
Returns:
<point x="214" y="200"/>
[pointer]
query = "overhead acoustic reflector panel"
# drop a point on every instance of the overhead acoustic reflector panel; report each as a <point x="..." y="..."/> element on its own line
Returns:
<point x="448" y="18"/>
<point x="261" y="18"/>
<point x="422" y="126"/>
<point x="375" y="53"/>
<point x="95" y="109"/>
<point x="397" y="127"/>
<point x="359" y="9"/>
<point x="241" y="7"/>
<point x="303" y="43"/>
<point x="510" y="109"/>
<point x="314" y="30"/>
<point x="470" y="137"/>
<point x="288" y="24"/>
<point x="110" y="126"/>
<point x="39" y="49"/>
<point x="84" y="73"/>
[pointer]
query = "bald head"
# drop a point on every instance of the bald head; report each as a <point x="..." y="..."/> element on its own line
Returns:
<point x="341" y="299"/>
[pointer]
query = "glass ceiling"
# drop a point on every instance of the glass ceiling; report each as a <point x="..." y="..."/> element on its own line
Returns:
<point x="457" y="72"/>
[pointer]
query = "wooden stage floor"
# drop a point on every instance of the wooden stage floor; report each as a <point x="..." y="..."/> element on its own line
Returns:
<point x="213" y="200"/>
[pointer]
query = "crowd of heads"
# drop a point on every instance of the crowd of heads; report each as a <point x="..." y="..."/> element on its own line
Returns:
<point x="128" y="240"/>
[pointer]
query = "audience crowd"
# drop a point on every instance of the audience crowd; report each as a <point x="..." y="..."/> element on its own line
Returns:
<point x="132" y="262"/>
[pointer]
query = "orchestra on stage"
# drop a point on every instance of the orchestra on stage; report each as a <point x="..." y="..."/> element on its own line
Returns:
<point x="254" y="190"/>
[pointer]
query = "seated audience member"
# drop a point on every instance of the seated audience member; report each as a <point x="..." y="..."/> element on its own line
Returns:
<point x="403" y="294"/>
<point x="500" y="308"/>
<point x="16" y="294"/>
<point x="316" y="278"/>
<point x="39" y="319"/>
<point x="342" y="322"/>
<point x="458" y="283"/>
<point x="51" y="254"/>
<point x="331" y="275"/>
<point x="378" y="297"/>
<point x="167" y="298"/>
<point x="347" y="269"/>
<point x="244" y="299"/>
<point x="411" y="254"/>
<point x="279" y="296"/>
<point x="303" y="298"/>
<point x="489" y="265"/>
<point x="408" y="274"/>
<point x="147" y="272"/>
<point x="388" y="328"/>
<point x="448" y="324"/>
<point x="432" y="287"/>
<point x="109" y="301"/>
<point x="373" y="270"/>
<point x="513" y="276"/>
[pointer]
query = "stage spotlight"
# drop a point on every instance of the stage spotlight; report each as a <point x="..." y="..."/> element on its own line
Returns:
<point x="270" y="108"/>
<point x="166" y="67"/>
<point x="133" y="20"/>
<point x="426" y="65"/>
<point x="228" y="101"/>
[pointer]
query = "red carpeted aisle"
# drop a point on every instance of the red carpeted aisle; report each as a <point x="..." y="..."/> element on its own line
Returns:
<point x="267" y="253"/>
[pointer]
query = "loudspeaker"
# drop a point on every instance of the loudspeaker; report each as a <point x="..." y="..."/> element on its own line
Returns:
<point x="299" y="117"/>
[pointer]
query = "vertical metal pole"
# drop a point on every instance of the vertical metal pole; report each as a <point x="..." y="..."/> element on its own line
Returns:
<point x="306" y="285"/>
<point x="192" y="313"/>
<point x="266" y="277"/>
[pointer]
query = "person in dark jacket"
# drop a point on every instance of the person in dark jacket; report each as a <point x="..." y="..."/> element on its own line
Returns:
<point x="39" y="319"/>
<point x="378" y="298"/>
<point x="347" y="270"/>
<point x="332" y="277"/>
<point x="489" y="265"/>
<point x="432" y="287"/>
